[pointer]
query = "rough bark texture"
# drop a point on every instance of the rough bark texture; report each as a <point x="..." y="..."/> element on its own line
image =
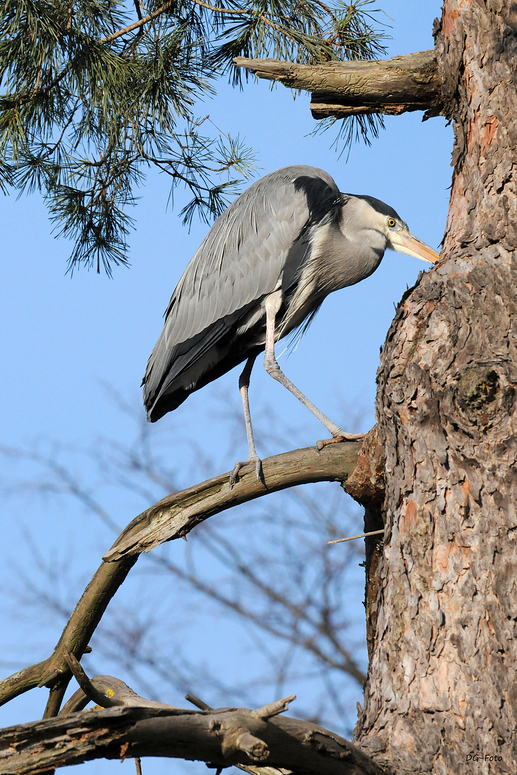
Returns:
<point x="366" y="485"/>
<point x="442" y="680"/>
<point x="343" y="89"/>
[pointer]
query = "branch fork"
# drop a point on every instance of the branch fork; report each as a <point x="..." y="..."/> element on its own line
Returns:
<point x="131" y="726"/>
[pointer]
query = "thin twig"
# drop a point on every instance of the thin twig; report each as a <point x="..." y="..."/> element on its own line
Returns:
<point x="197" y="702"/>
<point x="139" y="23"/>
<point x="84" y="682"/>
<point x="222" y="10"/>
<point x="352" y="538"/>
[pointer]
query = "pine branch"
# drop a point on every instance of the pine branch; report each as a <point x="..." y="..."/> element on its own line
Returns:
<point x="139" y="23"/>
<point x="116" y="101"/>
<point x="176" y="515"/>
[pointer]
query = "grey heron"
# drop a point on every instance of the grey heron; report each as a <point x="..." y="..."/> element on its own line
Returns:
<point x="263" y="270"/>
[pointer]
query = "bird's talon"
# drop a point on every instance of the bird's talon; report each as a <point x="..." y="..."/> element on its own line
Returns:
<point x="234" y="476"/>
<point x="258" y="470"/>
<point x="339" y="439"/>
<point x="322" y="443"/>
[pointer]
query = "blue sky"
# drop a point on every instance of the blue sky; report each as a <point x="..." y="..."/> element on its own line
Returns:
<point x="64" y="339"/>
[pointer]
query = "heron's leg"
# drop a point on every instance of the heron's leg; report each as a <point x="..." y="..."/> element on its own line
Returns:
<point x="244" y="382"/>
<point x="272" y="368"/>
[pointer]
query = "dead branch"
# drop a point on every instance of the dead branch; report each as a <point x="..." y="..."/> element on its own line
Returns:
<point x="176" y="515"/>
<point x="109" y="692"/>
<point x="341" y="89"/>
<point x="366" y="483"/>
<point x="172" y="517"/>
<point x="221" y="738"/>
<point x="54" y="671"/>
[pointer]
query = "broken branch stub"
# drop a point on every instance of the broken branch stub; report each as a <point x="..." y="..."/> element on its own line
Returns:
<point x="392" y="86"/>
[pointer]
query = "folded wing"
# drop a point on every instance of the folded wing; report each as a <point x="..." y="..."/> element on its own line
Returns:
<point x="220" y="295"/>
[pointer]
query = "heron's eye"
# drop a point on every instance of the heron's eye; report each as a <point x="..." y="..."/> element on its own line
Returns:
<point x="391" y="222"/>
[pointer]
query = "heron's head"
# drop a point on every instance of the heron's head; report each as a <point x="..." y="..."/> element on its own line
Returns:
<point x="383" y="218"/>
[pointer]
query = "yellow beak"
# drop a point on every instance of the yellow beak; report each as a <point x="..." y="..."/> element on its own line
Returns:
<point x="405" y="242"/>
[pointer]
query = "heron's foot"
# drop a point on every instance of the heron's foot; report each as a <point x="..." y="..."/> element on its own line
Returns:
<point x="338" y="439"/>
<point x="253" y="460"/>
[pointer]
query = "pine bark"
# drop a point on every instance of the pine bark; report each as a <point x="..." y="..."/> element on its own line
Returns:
<point x="442" y="680"/>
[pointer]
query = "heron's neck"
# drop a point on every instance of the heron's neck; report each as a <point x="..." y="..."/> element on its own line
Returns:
<point x="349" y="258"/>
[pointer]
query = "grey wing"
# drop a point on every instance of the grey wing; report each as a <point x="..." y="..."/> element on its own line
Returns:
<point x="240" y="261"/>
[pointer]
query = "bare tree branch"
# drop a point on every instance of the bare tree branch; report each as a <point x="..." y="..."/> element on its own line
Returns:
<point x="341" y="89"/>
<point x="54" y="671"/>
<point x="251" y="769"/>
<point x="177" y="514"/>
<point x="221" y="738"/>
<point x="172" y="517"/>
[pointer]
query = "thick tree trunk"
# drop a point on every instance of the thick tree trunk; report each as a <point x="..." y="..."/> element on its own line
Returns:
<point x="442" y="679"/>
